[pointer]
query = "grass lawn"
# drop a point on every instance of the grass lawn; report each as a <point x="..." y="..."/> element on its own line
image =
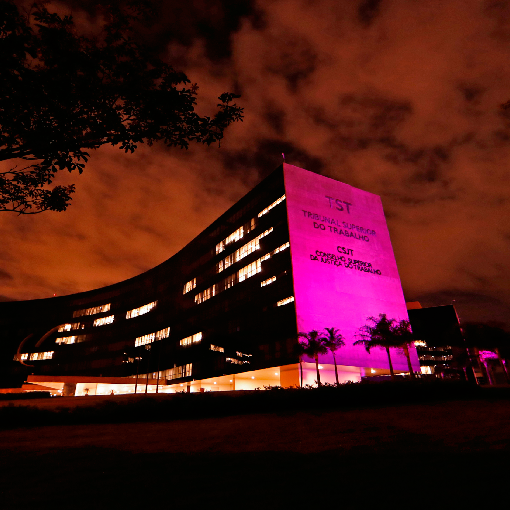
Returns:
<point x="440" y="454"/>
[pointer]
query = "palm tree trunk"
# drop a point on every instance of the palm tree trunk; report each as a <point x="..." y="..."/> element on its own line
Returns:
<point x="336" y="370"/>
<point x="392" y="373"/>
<point x="301" y="370"/>
<point x="317" y="367"/>
<point x="406" y="352"/>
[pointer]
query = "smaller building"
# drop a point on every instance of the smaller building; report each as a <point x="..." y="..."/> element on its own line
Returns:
<point x="439" y="344"/>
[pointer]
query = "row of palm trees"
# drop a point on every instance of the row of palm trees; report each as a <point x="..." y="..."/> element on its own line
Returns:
<point x="379" y="331"/>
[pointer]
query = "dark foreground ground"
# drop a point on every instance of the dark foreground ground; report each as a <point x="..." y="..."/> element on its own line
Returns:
<point x="439" y="453"/>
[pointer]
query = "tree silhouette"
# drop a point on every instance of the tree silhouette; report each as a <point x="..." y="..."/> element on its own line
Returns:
<point x="333" y="341"/>
<point x="378" y="332"/>
<point x="63" y="94"/>
<point x="313" y="346"/>
<point x="404" y="338"/>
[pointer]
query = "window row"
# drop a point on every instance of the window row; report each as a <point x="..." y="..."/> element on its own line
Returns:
<point x="34" y="356"/>
<point x="178" y="372"/>
<point x="428" y="357"/>
<point x="242" y="252"/>
<point x="152" y="337"/>
<point x="193" y="339"/>
<point x="268" y="281"/>
<point x="216" y="348"/>
<point x="241" y="275"/>
<point x="141" y="310"/>
<point x="236" y="361"/>
<point x="269" y="207"/>
<point x="69" y="327"/>
<point x="285" y="301"/>
<point x="189" y="286"/>
<point x="170" y="373"/>
<point x="236" y="235"/>
<point x="70" y="339"/>
<point x="104" y="320"/>
<point x="92" y="311"/>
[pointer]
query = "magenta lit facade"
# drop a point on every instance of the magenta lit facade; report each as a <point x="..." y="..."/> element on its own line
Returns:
<point x="343" y="264"/>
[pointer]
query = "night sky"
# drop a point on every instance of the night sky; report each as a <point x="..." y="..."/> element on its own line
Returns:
<point x="397" y="97"/>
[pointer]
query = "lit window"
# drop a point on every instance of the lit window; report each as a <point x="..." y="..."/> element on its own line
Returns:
<point x="71" y="339"/>
<point x="236" y="235"/>
<point x="241" y="354"/>
<point x="230" y="281"/>
<point x="21" y="357"/>
<point x="189" y="286"/>
<point x="104" y="320"/>
<point x="242" y="252"/>
<point x="151" y="337"/>
<point x="69" y="327"/>
<point x="145" y="339"/>
<point x="205" y="295"/>
<point x="249" y="270"/>
<point x="141" y="310"/>
<point x="170" y="373"/>
<point x="216" y="348"/>
<point x="42" y="355"/>
<point x="268" y="281"/>
<point x="280" y="248"/>
<point x="420" y="343"/>
<point x="269" y="207"/>
<point x="426" y="370"/>
<point x="285" y="301"/>
<point x="163" y="333"/>
<point x="92" y="311"/>
<point x="235" y="361"/>
<point x="193" y="339"/>
<point x="178" y="372"/>
<point x="66" y="340"/>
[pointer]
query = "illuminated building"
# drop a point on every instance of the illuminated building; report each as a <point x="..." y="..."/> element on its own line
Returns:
<point x="299" y="252"/>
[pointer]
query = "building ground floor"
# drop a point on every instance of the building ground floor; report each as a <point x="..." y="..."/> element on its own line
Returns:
<point x="286" y="376"/>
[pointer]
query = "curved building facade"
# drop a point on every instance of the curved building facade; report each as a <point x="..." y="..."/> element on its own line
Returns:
<point x="298" y="252"/>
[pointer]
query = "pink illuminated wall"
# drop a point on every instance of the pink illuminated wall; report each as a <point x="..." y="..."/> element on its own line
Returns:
<point x="343" y="263"/>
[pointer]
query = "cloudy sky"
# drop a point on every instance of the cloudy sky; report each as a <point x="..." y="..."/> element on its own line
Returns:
<point x="397" y="97"/>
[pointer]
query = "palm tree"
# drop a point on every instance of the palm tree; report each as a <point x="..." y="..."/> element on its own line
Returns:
<point x="313" y="346"/>
<point x="379" y="334"/>
<point x="404" y="336"/>
<point x="333" y="341"/>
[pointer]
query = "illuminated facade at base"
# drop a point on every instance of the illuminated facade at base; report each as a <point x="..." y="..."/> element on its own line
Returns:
<point x="298" y="252"/>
